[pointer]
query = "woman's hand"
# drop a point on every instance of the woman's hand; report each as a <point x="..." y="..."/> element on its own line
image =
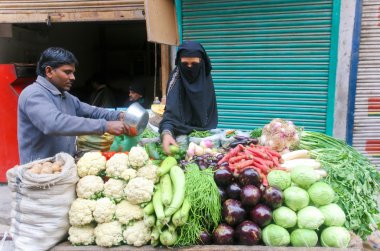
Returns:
<point x="168" y="140"/>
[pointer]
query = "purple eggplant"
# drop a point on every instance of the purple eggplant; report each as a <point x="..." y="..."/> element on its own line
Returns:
<point x="233" y="213"/>
<point x="223" y="194"/>
<point x="250" y="196"/>
<point x="273" y="197"/>
<point x="247" y="233"/>
<point x="233" y="191"/>
<point x="223" y="177"/>
<point x="223" y="235"/>
<point x="205" y="238"/>
<point x="261" y="215"/>
<point x="249" y="177"/>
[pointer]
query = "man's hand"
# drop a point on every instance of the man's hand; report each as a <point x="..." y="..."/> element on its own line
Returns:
<point x="121" y="116"/>
<point x="116" y="127"/>
<point x="168" y="140"/>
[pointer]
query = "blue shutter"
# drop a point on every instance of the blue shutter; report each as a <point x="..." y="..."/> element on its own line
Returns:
<point x="271" y="59"/>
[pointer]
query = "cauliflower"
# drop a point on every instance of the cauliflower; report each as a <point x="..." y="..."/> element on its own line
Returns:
<point x="91" y="163"/>
<point x="149" y="171"/>
<point x="137" y="157"/>
<point x="83" y="235"/>
<point x="114" y="189"/>
<point x="104" y="210"/>
<point x="80" y="212"/>
<point x="117" y="167"/>
<point x="108" y="234"/>
<point x="139" y="190"/>
<point x="90" y="187"/>
<point x="137" y="234"/>
<point x="125" y="212"/>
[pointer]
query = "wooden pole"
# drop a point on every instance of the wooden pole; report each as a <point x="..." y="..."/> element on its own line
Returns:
<point x="165" y="68"/>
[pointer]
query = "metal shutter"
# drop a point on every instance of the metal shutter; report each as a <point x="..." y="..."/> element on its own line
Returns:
<point x="31" y="11"/>
<point x="366" y="134"/>
<point x="271" y="58"/>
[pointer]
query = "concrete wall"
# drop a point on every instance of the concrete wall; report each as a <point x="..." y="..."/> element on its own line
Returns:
<point x="347" y="18"/>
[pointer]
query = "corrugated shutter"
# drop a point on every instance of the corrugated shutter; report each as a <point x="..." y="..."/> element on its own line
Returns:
<point x="28" y="11"/>
<point x="270" y="58"/>
<point x="366" y="135"/>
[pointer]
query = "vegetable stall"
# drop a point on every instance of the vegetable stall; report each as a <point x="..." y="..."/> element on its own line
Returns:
<point x="276" y="186"/>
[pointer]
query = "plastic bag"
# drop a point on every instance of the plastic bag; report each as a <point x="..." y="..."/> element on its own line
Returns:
<point x="225" y="141"/>
<point x="215" y="138"/>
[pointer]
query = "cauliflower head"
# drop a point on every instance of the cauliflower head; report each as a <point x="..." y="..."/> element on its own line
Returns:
<point x="80" y="212"/>
<point x="137" y="234"/>
<point x="104" y="210"/>
<point x="139" y="190"/>
<point x="137" y="157"/>
<point x="149" y="171"/>
<point x="90" y="187"/>
<point x="108" y="234"/>
<point x="125" y="212"/>
<point x="114" y="189"/>
<point x="83" y="235"/>
<point x="91" y="163"/>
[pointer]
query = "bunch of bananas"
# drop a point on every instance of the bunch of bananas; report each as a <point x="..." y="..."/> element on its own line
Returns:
<point x="88" y="143"/>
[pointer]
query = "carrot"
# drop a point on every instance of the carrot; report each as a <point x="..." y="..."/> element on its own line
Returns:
<point x="257" y="153"/>
<point x="273" y="153"/>
<point x="263" y="168"/>
<point x="232" y="153"/>
<point x="244" y="163"/>
<point x="264" y="180"/>
<point x="237" y="159"/>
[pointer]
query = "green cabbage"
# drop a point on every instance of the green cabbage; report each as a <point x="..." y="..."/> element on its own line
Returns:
<point x="303" y="238"/>
<point x="296" y="198"/>
<point x="276" y="236"/>
<point x="321" y="194"/>
<point x="334" y="215"/>
<point x="279" y="179"/>
<point x="285" y="217"/>
<point x="310" y="218"/>
<point x="304" y="176"/>
<point x="337" y="237"/>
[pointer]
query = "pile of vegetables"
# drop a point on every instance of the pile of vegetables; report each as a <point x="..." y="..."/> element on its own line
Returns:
<point x="108" y="210"/>
<point x="47" y="167"/>
<point x="353" y="177"/>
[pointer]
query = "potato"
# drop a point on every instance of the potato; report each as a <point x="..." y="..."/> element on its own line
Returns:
<point x="56" y="168"/>
<point x="47" y="163"/>
<point x="36" y="168"/>
<point x="59" y="162"/>
<point x="57" y="172"/>
<point x="46" y="170"/>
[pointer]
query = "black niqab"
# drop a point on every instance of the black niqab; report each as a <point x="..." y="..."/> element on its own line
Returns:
<point x="191" y="102"/>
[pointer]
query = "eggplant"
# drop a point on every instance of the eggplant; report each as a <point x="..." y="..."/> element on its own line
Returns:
<point x="253" y="141"/>
<point x="236" y="143"/>
<point x="223" y="194"/>
<point x="223" y="235"/>
<point x="273" y="197"/>
<point x="250" y="195"/>
<point x="240" y="137"/>
<point x="223" y="177"/>
<point x="261" y="215"/>
<point x="249" y="177"/>
<point x="233" y="191"/>
<point x="233" y="213"/>
<point x="248" y="233"/>
<point x="205" y="238"/>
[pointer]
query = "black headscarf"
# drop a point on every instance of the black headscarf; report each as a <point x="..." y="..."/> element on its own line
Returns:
<point x="191" y="101"/>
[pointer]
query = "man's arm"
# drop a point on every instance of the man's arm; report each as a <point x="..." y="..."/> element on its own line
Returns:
<point x="89" y="111"/>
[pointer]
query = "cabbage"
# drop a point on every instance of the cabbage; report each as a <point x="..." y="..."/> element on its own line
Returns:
<point x="296" y="198"/>
<point x="334" y="215"/>
<point x="337" y="237"/>
<point x="304" y="176"/>
<point x="303" y="238"/>
<point x="274" y="235"/>
<point x="310" y="218"/>
<point x="321" y="194"/>
<point x="279" y="179"/>
<point x="285" y="217"/>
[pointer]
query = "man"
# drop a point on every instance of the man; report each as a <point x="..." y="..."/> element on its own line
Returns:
<point x="136" y="94"/>
<point x="102" y="95"/>
<point x="49" y="117"/>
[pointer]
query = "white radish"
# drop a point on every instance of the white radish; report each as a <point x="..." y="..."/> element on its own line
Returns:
<point x="291" y="164"/>
<point x="321" y="172"/>
<point x="299" y="154"/>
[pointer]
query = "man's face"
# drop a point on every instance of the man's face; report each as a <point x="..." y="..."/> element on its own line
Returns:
<point x="61" y="77"/>
<point x="134" y="96"/>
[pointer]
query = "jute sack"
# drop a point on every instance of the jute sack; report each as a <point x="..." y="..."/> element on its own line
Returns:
<point x="41" y="203"/>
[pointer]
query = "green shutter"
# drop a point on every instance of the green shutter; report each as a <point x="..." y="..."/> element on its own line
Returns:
<point x="271" y="58"/>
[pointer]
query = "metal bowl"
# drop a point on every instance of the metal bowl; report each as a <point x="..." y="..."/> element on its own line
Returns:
<point x="136" y="118"/>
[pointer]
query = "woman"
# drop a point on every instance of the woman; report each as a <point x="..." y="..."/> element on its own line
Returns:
<point x="191" y="102"/>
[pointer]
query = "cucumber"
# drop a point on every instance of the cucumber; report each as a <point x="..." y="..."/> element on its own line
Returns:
<point x="166" y="165"/>
<point x="149" y="209"/>
<point x="166" y="190"/>
<point x="178" y="178"/>
<point x="180" y="217"/>
<point x="157" y="204"/>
